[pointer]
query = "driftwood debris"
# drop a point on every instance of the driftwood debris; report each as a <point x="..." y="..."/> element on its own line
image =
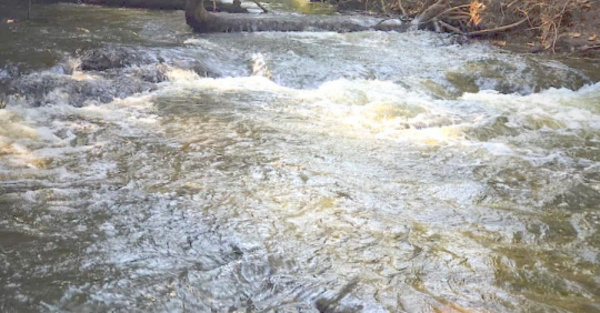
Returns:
<point x="206" y="22"/>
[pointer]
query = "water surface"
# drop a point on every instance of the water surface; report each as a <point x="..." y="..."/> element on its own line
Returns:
<point x="298" y="172"/>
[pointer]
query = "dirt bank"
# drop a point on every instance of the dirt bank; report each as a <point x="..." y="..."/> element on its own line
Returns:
<point x="577" y="34"/>
<point x="566" y="26"/>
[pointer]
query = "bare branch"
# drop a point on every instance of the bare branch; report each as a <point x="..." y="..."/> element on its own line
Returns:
<point x="260" y="6"/>
<point x="450" y="27"/>
<point x="497" y="29"/>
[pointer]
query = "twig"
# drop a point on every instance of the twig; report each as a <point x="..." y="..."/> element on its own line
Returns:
<point x="449" y="10"/>
<point x="562" y="13"/>
<point x="260" y="6"/>
<point x="450" y="27"/>
<point x="556" y="29"/>
<point x="510" y="4"/>
<point x="384" y="7"/>
<point x="458" y="15"/>
<point x="421" y="16"/>
<point x="527" y="16"/>
<point x="497" y="29"/>
<point x="404" y="13"/>
<point x="588" y="47"/>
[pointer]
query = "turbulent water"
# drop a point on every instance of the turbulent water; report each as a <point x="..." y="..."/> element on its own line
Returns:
<point x="144" y="168"/>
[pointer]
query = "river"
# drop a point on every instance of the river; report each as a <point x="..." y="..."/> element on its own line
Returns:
<point x="144" y="168"/>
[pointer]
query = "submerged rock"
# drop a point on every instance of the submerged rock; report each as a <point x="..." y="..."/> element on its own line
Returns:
<point x="112" y="57"/>
<point x="505" y="77"/>
<point x="80" y="88"/>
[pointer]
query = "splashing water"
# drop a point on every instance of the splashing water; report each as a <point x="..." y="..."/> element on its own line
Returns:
<point x="374" y="172"/>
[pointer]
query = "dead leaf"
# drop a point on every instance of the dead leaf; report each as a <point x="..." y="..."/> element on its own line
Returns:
<point x="593" y="37"/>
<point x="475" y="9"/>
<point x="574" y="35"/>
<point x="499" y="43"/>
<point x="531" y="44"/>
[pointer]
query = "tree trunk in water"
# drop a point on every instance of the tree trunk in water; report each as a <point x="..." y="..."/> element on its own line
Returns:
<point x="204" y="22"/>
<point x="146" y="4"/>
<point x="162" y="4"/>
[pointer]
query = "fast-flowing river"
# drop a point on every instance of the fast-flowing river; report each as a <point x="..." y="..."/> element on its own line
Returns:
<point x="144" y="168"/>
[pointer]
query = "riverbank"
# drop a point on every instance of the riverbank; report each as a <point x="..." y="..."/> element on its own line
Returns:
<point x="569" y="27"/>
<point x="531" y="26"/>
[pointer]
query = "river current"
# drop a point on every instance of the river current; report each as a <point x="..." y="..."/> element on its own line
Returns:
<point x="144" y="168"/>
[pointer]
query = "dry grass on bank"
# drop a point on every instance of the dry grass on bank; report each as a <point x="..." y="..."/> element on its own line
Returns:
<point x="545" y="19"/>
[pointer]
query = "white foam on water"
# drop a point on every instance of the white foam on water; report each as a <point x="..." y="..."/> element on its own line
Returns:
<point x="343" y="177"/>
<point x="178" y="75"/>
<point x="572" y="109"/>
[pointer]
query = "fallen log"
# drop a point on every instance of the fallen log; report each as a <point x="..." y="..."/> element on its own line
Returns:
<point x="164" y="5"/>
<point x="145" y="4"/>
<point x="203" y="21"/>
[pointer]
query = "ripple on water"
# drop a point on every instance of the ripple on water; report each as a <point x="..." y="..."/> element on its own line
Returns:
<point x="347" y="183"/>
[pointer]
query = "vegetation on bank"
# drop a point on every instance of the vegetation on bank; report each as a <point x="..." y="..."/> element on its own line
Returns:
<point x="527" y="25"/>
<point x="537" y="25"/>
<point x="556" y="25"/>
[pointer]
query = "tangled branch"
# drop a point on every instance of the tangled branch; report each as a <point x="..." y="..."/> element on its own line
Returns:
<point x="546" y="18"/>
